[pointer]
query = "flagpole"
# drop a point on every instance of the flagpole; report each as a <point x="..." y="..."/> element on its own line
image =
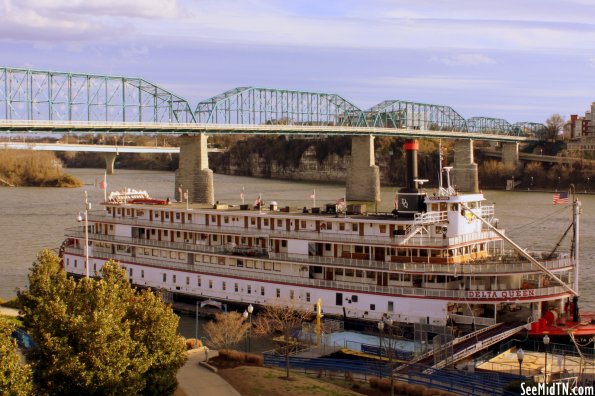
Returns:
<point x="314" y="198"/>
<point x="187" y="200"/>
<point x="243" y="194"/>
<point x="260" y="203"/>
<point x="105" y="186"/>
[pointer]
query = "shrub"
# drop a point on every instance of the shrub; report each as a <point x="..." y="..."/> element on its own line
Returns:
<point x="416" y="390"/>
<point x="192" y="343"/>
<point x="254" y="359"/>
<point x="384" y="384"/>
<point x="373" y="382"/>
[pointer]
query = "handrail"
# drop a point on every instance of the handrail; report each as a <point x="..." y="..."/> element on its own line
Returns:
<point x="284" y="278"/>
<point x="476" y="268"/>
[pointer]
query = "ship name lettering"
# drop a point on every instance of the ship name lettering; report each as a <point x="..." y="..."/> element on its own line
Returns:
<point x="501" y="294"/>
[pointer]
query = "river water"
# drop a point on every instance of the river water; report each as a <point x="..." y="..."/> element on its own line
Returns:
<point x="33" y="218"/>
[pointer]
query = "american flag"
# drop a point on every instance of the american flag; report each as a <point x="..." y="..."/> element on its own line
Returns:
<point x="561" y="198"/>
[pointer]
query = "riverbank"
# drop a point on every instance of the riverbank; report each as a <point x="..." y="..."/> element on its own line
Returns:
<point x="27" y="168"/>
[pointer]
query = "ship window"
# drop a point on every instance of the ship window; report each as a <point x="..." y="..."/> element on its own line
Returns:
<point x="268" y="265"/>
<point x="391" y="306"/>
<point x="355" y="227"/>
<point x="235" y="287"/>
<point x="308" y="296"/>
<point x="189" y="217"/>
<point x="329" y="225"/>
<point x="156" y="215"/>
<point x="291" y="294"/>
<point x="167" y="215"/>
<point x="266" y="222"/>
<point x="354" y="298"/>
<point x="213" y="219"/>
<point x="240" y="263"/>
<point x="177" y="215"/>
<point x="283" y="243"/>
<point x="349" y="272"/>
<point x="130" y="272"/>
<point x="226" y="219"/>
<point x="258" y="264"/>
<point x="147" y="252"/>
<point x="341" y="226"/>
<point x="370" y="274"/>
<point x="174" y="279"/>
<point x="407" y="278"/>
<point x="454" y="207"/>
<point x="178" y="234"/>
<point x="359" y="249"/>
<point x="243" y="240"/>
<point x="423" y="252"/>
<point x="339" y="271"/>
<point x="111" y="227"/>
<point x="187" y="280"/>
<point x="303" y="224"/>
<point x="435" y="207"/>
<point x="279" y="223"/>
<point x="155" y="252"/>
<point x="142" y="273"/>
<point x="359" y="273"/>
<point x="249" y="264"/>
<point x="249" y="289"/>
<point x="277" y="266"/>
<point x="393" y="277"/>
<point x="221" y="260"/>
<point x="278" y="293"/>
<point x="223" y="285"/>
<point x="67" y="262"/>
<point x="109" y="210"/>
<point x="210" y="284"/>
<point x="252" y="221"/>
<point x="119" y="211"/>
<point x="372" y="307"/>
<point x="214" y="237"/>
<point x="164" y="277"/>
<point x="165" y="232"/>
<point x="75" y="263"/>
<point x="262" y="290"/>
<point x="198" y="282"/>
<point x="182" y="256"/>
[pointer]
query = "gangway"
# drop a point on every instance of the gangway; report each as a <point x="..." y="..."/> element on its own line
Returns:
<point x="465" y="346"/>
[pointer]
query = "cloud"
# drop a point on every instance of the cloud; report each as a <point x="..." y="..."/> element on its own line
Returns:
<point x="151" y="9"/>
<point x="464" y="60"/>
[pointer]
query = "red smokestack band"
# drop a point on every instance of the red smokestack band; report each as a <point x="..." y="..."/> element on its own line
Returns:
<point x="411" y="145"/>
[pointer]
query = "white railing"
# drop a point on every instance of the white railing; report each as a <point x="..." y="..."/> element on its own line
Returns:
<point x="288" y="278"/>
<point x="483" y="267"/>
<point x="430" y="217"/>
<point x="487" y="211"/>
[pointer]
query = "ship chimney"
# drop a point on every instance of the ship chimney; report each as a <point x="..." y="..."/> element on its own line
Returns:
<point x="410" y="200"/>
<point x="411" y="147"/>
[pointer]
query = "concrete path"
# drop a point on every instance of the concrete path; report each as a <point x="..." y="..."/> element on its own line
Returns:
<point x="4" y="311"/>
<point x="196" y="380"/>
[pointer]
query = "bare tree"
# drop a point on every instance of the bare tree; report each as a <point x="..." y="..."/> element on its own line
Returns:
<point x="285" y="320"/>
<point x="555" y="125"/>
<point x="227" y="329"/>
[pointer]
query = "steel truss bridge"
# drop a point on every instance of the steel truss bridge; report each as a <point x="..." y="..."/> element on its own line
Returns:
<point x="59" y="102"/>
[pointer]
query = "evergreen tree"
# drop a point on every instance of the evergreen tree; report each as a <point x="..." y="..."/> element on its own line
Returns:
<point x="15" y="378"/>
<point x="98" y="336"/>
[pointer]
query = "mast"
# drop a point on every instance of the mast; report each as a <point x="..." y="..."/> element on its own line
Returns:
<point x="576" y="206"/>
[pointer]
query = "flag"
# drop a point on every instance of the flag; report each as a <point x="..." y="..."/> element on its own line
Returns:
<point x="242" y="195"/>
<point x="561" y="198"/>
<point x="257" y="202"/>
<point x="103" y="183"/>
<point x="181" y="192"/>
<point x="313" y="195"/>
<point x="397" y="200"/>
<point x="186" y="195"/>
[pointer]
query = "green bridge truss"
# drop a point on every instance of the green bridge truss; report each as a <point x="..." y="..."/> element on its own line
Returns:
<point x="256" y="106"/>
<point x="45" y="95"/>
<point x="27" y="94"/>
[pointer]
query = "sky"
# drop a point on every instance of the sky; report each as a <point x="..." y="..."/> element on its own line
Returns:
<point x="521" y="60"/>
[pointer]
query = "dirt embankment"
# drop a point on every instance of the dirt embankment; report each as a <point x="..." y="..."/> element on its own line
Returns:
<point x="25" y="168"/>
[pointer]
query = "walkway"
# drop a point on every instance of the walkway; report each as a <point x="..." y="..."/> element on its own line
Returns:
<point x="4" y="311"/>
<point x="196" y="380"/>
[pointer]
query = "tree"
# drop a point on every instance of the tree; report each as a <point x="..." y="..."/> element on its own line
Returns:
<point x="286" y="320"/>
<point x="228" y="329"/>
<point x="98" y="336"/>
<point x="555" y="125"/>
<point x="15" y="378"/>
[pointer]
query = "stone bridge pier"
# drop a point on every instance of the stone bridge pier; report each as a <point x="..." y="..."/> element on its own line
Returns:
<point x="110" y="160"/>
<point x="465" y="169"/>
<point x="510" y="154"/>
<point x="363" y="178"/>
<point x="193" y="173"/>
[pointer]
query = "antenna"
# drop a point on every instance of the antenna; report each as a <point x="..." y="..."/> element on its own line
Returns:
<point x="420" y="182"/>
<point x="439" y="164"/>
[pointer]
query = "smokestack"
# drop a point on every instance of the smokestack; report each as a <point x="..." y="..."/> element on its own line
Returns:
<point x="411" y="147"/>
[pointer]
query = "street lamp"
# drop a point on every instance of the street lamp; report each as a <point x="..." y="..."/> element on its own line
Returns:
<point x="86" y="219"/>
<point x="196" y="326"/>
<point x="520" y="354"/>
<point x="381" y="330"/>
<point x="245" y="315"/>
<point x="250" y="310"/>
<point x="588" y="180"/>
<point x="546" y="341"/>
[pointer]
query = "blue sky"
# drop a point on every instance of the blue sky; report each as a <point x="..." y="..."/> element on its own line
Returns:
<point x="521" y="60"/>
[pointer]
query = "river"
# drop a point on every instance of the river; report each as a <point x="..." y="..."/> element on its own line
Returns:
<point x="33" y="218"/>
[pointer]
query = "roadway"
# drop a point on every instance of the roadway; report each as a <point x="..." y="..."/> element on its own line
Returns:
<point x="97" y="148"/>
<point x="39" y="126"/>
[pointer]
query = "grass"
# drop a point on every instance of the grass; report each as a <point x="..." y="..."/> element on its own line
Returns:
<point x="260" y="381"/>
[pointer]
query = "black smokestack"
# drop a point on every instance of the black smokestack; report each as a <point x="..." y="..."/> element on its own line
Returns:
<point x="411" y="147"/>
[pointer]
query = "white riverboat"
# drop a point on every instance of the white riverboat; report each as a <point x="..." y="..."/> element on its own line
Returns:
<point x="439" y="258"/>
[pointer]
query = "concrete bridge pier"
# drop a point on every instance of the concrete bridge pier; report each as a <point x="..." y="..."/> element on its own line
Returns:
<point x="110" y="160"/>
<point x="193" y="173"/>
<point x="510" y="154"/>
<point x="465" y="169"/>
<point x="363" y="179"/>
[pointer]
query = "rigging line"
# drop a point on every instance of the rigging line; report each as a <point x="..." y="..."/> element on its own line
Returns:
<point x="538" y="220"/>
